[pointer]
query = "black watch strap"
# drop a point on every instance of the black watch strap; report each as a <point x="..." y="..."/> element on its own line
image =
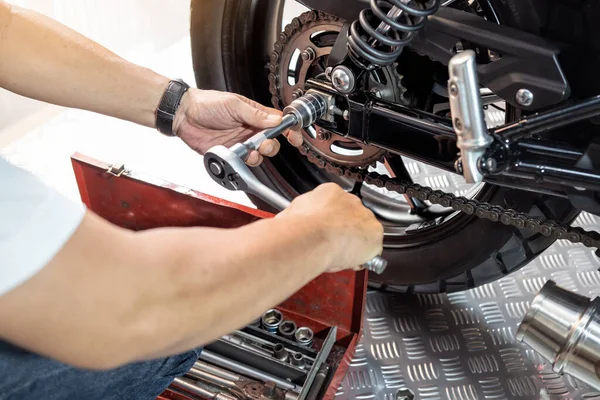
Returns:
<point x="165" y="113"/>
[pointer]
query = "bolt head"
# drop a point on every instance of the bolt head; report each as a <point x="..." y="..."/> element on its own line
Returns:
<point x="297" y="93"/>
<point x="323" y="135"/>
<point x="458" y="166"/>
<point x="308" y="54"/>
<point x="491" y="164"/>
<point x="376" y="92"/>
<point x="524" y="97"/>
<point x="342" y="79"/>
<point x="458" y="124"/>
<point x="453" y="90"/>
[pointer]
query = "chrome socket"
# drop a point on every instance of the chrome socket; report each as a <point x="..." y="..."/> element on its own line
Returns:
<point x="271" y="320"/>
<point x="304" y="336"/>
<point x="298" y="360"/>
<point x="564" y="328"/>
<point x="287" y="329"/>
<point x="281" y="352"/>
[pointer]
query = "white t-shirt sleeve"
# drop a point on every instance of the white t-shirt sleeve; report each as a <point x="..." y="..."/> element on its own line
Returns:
<point x="35" y="223"/>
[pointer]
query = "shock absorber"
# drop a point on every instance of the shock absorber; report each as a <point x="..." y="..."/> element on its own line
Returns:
<point x="399" y="22"/>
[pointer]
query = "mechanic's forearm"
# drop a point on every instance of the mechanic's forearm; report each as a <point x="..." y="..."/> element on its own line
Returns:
<point x="238" y="275"/>
<point x="112" y="296"/>
<point x="43" y="59"/>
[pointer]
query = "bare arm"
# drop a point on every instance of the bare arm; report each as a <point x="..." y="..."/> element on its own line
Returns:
<point x="43" y="59"/>
<point x="113" y="296"/>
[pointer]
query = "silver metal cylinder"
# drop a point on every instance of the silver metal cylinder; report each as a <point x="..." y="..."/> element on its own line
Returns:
<point x="307" y="109"/>
<point x="280" y="352"/>
<point x="377" y="265"/>
<point x="298" y="360"/>
<point x="304" y="336"/>
<point x="287" y="329"/>
<point x="467" y="113"/>
<point x="197" y="390"/>
<point x="564" y="327"/>
<point x="242" y="343"/>
<point x="246" y="370"/>
<point x="271" y="320"/>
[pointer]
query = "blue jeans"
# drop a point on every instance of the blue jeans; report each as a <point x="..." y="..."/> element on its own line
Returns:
<point x="25" y="376"/>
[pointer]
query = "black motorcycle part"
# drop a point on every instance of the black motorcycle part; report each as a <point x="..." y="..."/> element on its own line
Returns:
<point x="526" y="61"/>
<point x="231" y="43"/>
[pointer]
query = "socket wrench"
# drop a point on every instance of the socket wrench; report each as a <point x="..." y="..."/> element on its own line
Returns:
<point x="227" y="166"/>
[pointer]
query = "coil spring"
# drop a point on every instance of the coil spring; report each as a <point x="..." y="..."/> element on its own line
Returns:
<point x="372" y="48"/>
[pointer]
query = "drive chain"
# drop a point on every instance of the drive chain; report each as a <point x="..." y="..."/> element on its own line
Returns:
<point x="490" y="212"/>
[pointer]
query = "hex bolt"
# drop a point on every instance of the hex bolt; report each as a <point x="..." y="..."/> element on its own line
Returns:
<point x="308" y="54"/>
<point x="458" y="124"/>
<point x="491" y="164"/>
<point x="458" y="166"/>
<point x="323" y="135"/>
<point x="453" y="89"/>
<point x="343" y="79"/>
<point x="297" y="93"/>
<point x="524" y="97"/>
<point x="376" y="92"/>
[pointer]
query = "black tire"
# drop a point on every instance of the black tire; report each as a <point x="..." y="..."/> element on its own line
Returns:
<point x="231" y="44"/>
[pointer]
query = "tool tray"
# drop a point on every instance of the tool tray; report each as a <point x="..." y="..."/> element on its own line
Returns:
<point x="137" y="202"/>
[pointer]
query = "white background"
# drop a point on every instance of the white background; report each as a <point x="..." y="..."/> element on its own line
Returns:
<point x="153" y="33"/>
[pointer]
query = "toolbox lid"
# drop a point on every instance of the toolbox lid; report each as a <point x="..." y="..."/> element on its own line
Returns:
<point x="136" y="201"/>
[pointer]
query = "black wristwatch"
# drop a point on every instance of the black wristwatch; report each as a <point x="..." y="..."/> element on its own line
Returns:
<point x="165" y="113"/>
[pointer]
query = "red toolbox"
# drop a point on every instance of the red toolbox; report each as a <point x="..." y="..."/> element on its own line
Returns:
<point x="136" y="201"/>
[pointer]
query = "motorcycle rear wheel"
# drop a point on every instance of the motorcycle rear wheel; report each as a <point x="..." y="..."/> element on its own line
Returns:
<point x="231" y="44"/>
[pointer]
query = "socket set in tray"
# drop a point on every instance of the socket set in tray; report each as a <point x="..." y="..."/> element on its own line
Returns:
<point x="272" y="358"/>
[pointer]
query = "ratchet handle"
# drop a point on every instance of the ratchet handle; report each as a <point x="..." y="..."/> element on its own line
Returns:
<point x="228" y="170"/>
<point x="227" y="167"/>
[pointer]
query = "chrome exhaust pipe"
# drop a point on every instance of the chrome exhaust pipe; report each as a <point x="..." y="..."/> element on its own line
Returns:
<point x="564" y="328"/>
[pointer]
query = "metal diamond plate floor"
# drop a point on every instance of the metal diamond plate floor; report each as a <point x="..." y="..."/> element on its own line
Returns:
<point x="462" y="346"/>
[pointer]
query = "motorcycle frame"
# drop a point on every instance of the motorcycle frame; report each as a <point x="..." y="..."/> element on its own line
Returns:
<point x="518" y="156"/>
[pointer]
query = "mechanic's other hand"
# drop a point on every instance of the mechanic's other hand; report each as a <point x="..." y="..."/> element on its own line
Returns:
<point x="206" y="118"/>
<point x="354" y="235"/>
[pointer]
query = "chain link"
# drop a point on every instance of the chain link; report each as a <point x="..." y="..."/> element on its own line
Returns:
<point x="479" y="209"/>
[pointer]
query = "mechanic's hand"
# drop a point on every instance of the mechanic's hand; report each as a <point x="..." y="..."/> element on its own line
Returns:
<point x="206" y="118"/>
<point x="355" y="236"/>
